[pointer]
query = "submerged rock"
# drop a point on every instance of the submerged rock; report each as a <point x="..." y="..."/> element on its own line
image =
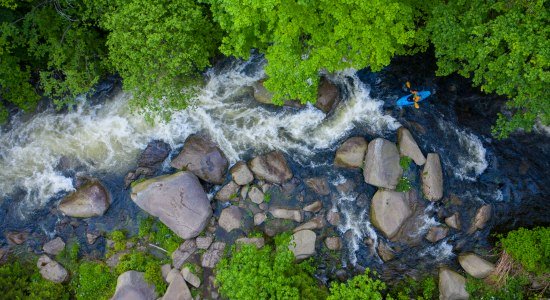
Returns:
<point x="389" y="210"/>
<point x="408" y="146"/>
<point x="90" y="200"/>
<point x="432" y="178"/>
<point x="475" y="265"/>
<point x="178" y="200"/>
<point x="437" y="233"/>
<point x="154" y="154"/>
<point x="131" y="285"/>
<point x="16" y="238"/>
<point x="385" y="252"/>
<point x="230" y="218"/>
<point x="452" y="286"/>
<point x="54" y="246"/>
<point x="327" y="96"/>
<point x="303" y="244"/>
<point x="319" y="185"/>
<point x="203" y="158"/>
<point x="351" y="154"/>
<point x="382" y="167"/>
<point x="333" y="218"/>
<point x="241" y="173"/>
<point x="271" y="167"/>
<point x="261" y="94"/>
<point x="52" y="270"/>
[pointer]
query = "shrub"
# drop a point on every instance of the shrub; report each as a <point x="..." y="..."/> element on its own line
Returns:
<point x="94" y="281"/>
<point x="404" y="185"/>
<point x="531" y="248"/>
<point x="159" y="234"/>
<point x="251" y="273"/>
<point x="359" y="287"/>
<point x="405" y="162"/>
<point x="411" y="288"/>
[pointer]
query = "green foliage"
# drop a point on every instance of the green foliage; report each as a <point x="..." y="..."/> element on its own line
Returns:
<point x="504" y="46"/>
<point x="514" y="289"/>
<point x="158" y="47"/>
<point x="119" y="237"/>
<point x="404" y="185"/>
<point x="410" y="288"/>
<point x="529" y="247"/>
<point x="159" y="234"/>
<point x="300" y="39"/>
<point x="143" y="262"/>
<point x="405" y="162"/>
<point x="267" y="197"/>
<point x="266" y="273"/>
<point x="22" y="281"/>
<point x="359" y="287"/>
<point x="95" y="281"/>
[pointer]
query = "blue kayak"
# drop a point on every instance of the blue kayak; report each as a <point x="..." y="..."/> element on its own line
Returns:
<point x="403" y="101"/>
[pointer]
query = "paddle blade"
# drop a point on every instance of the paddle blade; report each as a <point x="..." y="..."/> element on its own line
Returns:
<point x="416" y="105"/>
<point x="408" y="85"/>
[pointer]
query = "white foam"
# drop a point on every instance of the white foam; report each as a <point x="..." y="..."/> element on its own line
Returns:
<point x="438" y="252"/>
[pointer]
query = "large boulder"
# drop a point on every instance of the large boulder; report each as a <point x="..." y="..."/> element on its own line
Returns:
<point x="271" y="167"/>
<point x="432" y="178"/>
<point x="241" y="173"/>
<point x="319" y="185"/>
<point x="203" y="158"/>
<point x="154" y="154"/>
<point x="452" y="286"/>
<point x="389" y="210"/>
<point x="90" y="200"/>
<point x="409" y="147"/>
<point x="52" y="270"/>
<point x="303" y="244"/>
<point x="475" y="265"/>
<point x="327" y="96"/>
<point x="382" y="167"/>
<point x="178" y="200"/>
<point x="131" y="285"/>
<point x="351" y="153"/>
<point x="230" y="218"/>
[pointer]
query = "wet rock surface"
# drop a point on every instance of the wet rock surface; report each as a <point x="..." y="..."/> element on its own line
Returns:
<point x="432" y="178"/>
<point x="90" y="200"/>
<point x="271" y="167"/>
<point x="389" y="210"/>
<point x="351" y="154"/>
<point x="382" y="167"/>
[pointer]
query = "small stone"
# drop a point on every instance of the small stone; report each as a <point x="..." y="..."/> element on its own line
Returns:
<point x="177" y="290"/>
<point x="165" y="270"/>
<point x="263" y="206"/>
<point x="259" y="242"/>
<point x="229" y="192"/>
<point x="409" y="147"/>
<point x="319" y="185"/>
<point x="385" y="252"/>
<point x="230" y="218"/>
<point x="314" y="207"/>
<point x="256" y="195"/>
<point x="91" y="237"/>
<point x="204" y="242"/>
<point x="184" y="251"/>
<point x="259" y="218"/>
<point x="303" y="244"/>
<point x="333" y="243"/>
<point x="333" y="218"/>
<point x="287" y="214"/>
<point x="16" y="238"/>
<point x="437" y="233"/>
<point x="241" y="173"/>
<point x="482" y="216"/>
<point x="191" y="278"/>
<point x="475" y="265"/>
<point x="317" y="222"/>
<point x="453" y="221"/>
<point x="52" y="270"/>
<point x="213" y="255"/>
<point x="54" y="246"/>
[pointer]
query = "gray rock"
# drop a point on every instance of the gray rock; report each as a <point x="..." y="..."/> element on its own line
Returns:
<point x="483" y="215"/>
<point x="16" y="238"/>
<point x="437" y="233"/>
<point x="453" y="221"/>
<point x="230" y="218"/>
<point x="314" y="207"/>
<point x="52" y="270"/>
<point x="319" y="185"/>
<point x="178" y="200"/>
<point x="114" y="259"/>
<point x="172" y="274"/>
<point x="230" y="191"/>
<point x="164" y="270"/>
<point x="90" y="200"/>
<point x="177" y="290"/>
<point x="389" y="210"/>
<point x="385" y="252"/>
<point x="259" y="218"/>
<point x="327" y="96"/>
<point x="259" y="242"/>
<point x="184" y="251"/>
<point x="273" y="227"/>
<point x="131" y="285"/>
<point x="204" y="242"/>
<point x="382" y="167"/>
<point x="303" y="244"/>
<point x="203" y="158"/>
<point x="432" y="178"/>
<point x="475" y="265"/>
<point x="91" y="237"/>
<point x="333" y="243"/>
<point x="191" y="278"/>
<point x="213" y="255"/>
<point x="154" y="154"/>
<point x="256" y="195"/>
<point x="409" y="147"/>
<point x="333" y="218"/>
<point x="288" y="214"/>
<point x="241" y="173"/>
<point x="317" y="222"/>
<point x="261" y="94"/>
<point x="452" y="286"/>
<point x="54" y="246"/>
<point x="351" y="153"/>
<point x="271" y="167"/>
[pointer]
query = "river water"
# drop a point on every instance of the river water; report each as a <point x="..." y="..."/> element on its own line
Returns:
<point x="41" y="155"/>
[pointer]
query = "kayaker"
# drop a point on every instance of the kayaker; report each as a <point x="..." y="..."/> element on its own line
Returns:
<point x="414" y="96"/>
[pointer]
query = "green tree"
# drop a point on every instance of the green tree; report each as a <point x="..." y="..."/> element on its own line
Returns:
<point x="300" y="39"/>
<point x="504" y="46"/>
<point x="363" y="286"/>
<point x="158" y="47"/>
